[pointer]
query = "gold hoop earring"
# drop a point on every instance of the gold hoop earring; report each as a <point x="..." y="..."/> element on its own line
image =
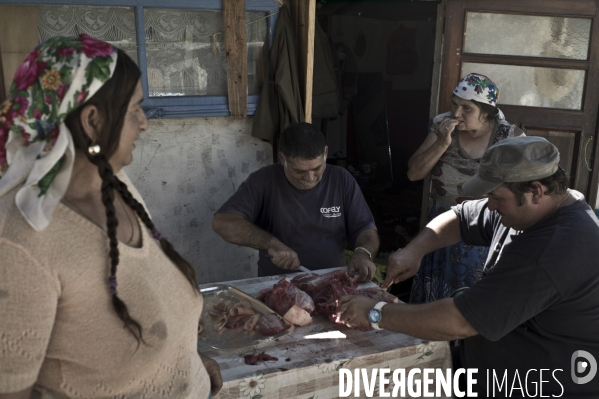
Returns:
<point x="93" y="149"/>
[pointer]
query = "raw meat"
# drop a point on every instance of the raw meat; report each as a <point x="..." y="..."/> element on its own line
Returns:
<point x="270" y="324"/>
<point x="238" y="315"/>
<point x="241" y="315"/>
<point x="289" y="301"/>
<point x="251" y="322"/>
<point x="378" y="294"/>
<point x="257" y="358"/>
<point x="326" y="289"/>
<point x="313" y="284"/>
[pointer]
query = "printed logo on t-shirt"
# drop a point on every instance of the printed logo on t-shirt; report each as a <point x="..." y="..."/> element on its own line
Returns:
<point x="332" y="212"/>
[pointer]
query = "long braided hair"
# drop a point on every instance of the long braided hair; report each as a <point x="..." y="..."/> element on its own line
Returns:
<point x="112" y="101"/>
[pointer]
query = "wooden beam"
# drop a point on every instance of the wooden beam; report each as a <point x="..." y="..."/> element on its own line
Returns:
<point x="236" y="56"/>
<point x="306" y="17"/>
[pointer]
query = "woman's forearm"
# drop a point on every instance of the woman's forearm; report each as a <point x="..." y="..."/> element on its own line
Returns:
<point x="421" y="164"/>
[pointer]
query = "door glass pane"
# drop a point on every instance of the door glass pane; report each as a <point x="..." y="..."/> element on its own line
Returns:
<point x="115" y="25"/>
<point x="185" y="57"/>
<point x="533" y="86"/>
<point x="565" y="141"/>
<point x="527" y="35"/>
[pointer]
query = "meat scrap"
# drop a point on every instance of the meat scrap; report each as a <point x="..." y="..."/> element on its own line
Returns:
<point x="257" y="358"/>
<point x="289" y="301"/>
<point x="313" y="284"/>
<point x="378" y="294"/>
<point x="242" y="315"/>
<point x="238" y="315"/>
<point x="326" y="289"/>
<point x="270" y="324"/>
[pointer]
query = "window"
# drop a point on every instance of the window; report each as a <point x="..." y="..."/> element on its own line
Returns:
<point x="548" y="72"/>
<point x="178" y="45"/>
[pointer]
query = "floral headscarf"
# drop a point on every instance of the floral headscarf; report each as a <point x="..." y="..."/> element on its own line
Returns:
<point x="36" y="147"/>
<point x="477" y="87"/>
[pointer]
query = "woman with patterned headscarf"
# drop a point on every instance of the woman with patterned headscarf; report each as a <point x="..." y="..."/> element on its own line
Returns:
<point x="451" y="154"/>
<point x="94" y="302"/>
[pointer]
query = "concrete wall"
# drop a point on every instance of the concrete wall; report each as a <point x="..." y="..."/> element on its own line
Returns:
<point x="185" y="169"/>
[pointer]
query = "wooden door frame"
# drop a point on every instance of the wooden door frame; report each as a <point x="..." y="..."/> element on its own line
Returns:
<point x="585" y="120"/>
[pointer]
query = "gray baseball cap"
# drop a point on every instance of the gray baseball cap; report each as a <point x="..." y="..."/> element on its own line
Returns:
<point x="517" y="159"/>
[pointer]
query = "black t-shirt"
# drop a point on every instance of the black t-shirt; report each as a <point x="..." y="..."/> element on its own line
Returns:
<point x="315" y="223"/>
<point x="537" y="303"/>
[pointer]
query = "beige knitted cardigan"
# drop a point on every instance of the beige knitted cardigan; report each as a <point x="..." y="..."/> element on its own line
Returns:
<point x="58" y="330"/>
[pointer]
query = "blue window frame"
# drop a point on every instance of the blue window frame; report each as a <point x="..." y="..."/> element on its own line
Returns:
<point x="174" y="106"/>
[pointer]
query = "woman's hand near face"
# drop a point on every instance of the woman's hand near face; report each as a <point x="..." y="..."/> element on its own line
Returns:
<point x="446" y="127"/>
<point x="429" y="152"/>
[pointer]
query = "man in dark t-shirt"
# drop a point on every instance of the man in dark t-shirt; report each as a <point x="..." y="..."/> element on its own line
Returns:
<point x="531" y="324"/>
<point x="301" y="211"/>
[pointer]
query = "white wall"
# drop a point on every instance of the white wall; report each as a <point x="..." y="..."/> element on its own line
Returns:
<point x="185" y="169"/>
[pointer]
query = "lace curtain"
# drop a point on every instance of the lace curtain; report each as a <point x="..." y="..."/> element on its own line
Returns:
<point x="115" y="25"/>
<point x="185" y="52"/>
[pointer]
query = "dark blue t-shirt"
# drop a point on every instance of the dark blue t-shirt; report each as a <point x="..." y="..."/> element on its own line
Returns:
<point x="315" y="223"/>
<point x="537" y="303"/>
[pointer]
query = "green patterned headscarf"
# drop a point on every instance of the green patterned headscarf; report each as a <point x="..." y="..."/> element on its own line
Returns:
<point x="36" y="147"/>
<point x="477" y="87"/>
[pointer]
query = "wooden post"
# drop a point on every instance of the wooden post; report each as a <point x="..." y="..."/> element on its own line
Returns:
<point x="306" y="18"/>
<point x="434" y="104"/>
<point x="236" y="56"/>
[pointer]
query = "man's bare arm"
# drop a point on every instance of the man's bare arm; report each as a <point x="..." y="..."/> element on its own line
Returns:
<point x="236" y="229"/>
<point x="436" y="321"/>
<point x="442" y="231"/>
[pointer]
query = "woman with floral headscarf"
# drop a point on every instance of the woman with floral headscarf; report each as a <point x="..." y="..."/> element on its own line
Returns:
<point x="94" y="302"/>
<point x="451" y="154"/>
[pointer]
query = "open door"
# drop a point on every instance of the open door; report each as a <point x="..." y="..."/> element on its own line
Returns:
<point x="544" y="57"/>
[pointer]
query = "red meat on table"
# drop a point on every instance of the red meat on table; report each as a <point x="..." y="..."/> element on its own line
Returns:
<point x="271" y="324"/>
<point x="289" y="301"/>
<point x="327" y="289"/>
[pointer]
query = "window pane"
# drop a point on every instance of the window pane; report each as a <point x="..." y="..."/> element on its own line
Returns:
<point x="115" y="25"/>
<point x="533" y="86"/>
<point x="550" y="37"/>
<point x="185" y="57"/>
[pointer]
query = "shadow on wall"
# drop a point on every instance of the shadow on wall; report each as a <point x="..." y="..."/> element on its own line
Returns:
<point x="185" y="169"/>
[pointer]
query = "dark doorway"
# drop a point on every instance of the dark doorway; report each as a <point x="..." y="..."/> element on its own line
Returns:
<point x="383" y="55"/>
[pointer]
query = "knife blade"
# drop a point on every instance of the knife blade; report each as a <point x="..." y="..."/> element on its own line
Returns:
<point x="301" y="268"/>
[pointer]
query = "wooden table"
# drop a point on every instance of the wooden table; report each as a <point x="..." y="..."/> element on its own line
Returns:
<point x="308" y="368"/>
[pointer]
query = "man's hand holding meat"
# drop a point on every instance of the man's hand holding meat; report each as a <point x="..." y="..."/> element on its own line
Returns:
<point x="352" y="310"/>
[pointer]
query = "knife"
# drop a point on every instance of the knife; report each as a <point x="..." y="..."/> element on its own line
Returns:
<point x="301" y="268"/>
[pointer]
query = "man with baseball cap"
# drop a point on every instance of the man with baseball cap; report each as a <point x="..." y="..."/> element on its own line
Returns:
<point x="533" y="318"/>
